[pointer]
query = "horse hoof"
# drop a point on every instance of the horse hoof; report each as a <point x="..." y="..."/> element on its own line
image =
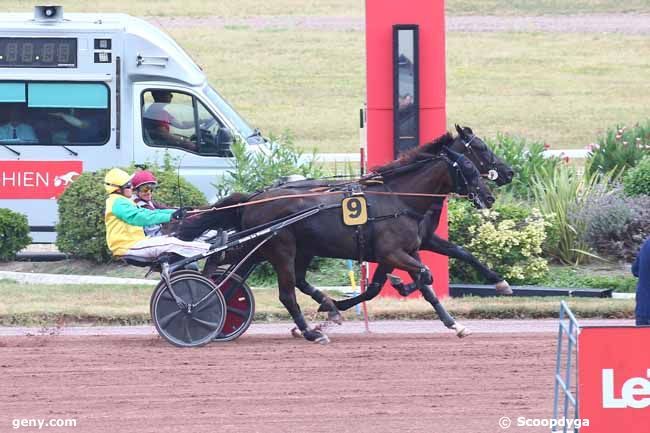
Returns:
<point x="323" y="339"/>
<point x="461" y="330"/>
<point x="503" y="288"/>
<point x="335" y="316"/>
<point x="296" y="333"/>
<point x="315" y="336"/>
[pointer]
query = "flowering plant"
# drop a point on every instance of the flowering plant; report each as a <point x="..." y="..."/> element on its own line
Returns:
<point x="507" y="239"/>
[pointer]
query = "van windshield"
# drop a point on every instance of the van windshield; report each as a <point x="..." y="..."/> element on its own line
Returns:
<point x="252" y="135"/>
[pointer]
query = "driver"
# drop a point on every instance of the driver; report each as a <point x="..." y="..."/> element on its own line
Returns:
<point x="158" y="122"/>
<point x="125" y="221"/>
<point x="144" y="184"/>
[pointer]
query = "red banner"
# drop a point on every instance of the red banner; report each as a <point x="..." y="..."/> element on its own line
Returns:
<point x="614" y="379"/>
<point x="37" y="179"/>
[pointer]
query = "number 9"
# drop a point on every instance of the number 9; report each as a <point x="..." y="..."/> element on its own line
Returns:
<point x="354" y="207"/>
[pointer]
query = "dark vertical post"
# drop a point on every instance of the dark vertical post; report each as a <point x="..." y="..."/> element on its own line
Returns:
<point x="406" y="88"/>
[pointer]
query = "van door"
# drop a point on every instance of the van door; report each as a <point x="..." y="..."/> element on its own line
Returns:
<point x="176" y="121"/>
<point x="50" y="132"/>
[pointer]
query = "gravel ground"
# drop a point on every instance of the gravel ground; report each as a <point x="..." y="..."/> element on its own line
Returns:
<point x="636" y="24"/>
<point x="538" y="326"/>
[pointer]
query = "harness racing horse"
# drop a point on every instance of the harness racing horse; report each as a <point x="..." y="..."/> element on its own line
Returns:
<point x="490" y="166"/>
<point x="398" y="194"/>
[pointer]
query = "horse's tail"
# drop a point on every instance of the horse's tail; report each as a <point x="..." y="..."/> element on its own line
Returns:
<point x="213" y="217"/>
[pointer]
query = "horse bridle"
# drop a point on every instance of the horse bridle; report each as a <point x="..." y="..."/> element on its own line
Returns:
<point x="455" y="162"/>
<point x="492" y="173"/>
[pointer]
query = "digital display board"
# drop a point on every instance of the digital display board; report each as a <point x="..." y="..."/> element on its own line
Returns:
<point x="38" y="52"/>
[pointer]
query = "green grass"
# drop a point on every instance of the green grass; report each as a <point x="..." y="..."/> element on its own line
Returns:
<point x="592" y="276"/>
<point x="355" y="8"/>
<point x="48" y="305"/>
<point x="565" y="92"/>
<point x="310" y="82"/>
<point x="564" y="89"/>
<point x="224" y="8"/>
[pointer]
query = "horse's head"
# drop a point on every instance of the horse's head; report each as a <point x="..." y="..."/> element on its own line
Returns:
<point x="488" y="164"/>
<point x="468" y="180"/>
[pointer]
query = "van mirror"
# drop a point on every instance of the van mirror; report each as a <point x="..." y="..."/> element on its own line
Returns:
<point x="223" y="141"/>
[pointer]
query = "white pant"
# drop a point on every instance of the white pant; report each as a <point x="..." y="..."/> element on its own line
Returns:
<point x="151" y="248"/>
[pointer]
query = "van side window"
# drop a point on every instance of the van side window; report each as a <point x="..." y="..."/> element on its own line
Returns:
<point x="172" y="119"/>
<point x="54" y="113"/>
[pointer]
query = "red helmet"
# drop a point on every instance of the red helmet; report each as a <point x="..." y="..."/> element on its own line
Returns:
<point x="142" y="177"/>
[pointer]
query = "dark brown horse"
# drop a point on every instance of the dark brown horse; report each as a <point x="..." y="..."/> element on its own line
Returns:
<point x="398" y="195"/>
<point x="490" y="166"/>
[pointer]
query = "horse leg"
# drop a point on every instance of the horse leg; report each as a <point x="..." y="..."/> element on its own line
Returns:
<point x="438" y="245"/>
<point x="441" y="246"/>
<point x="378" y="280"/>
<point x="283" y="262"/>
<point x="326" y="303"/>
<point x="402" y="289"/>
<point x="430" y="295"/>
<point x="421" y="275"/>
<point x="444" y="316"/>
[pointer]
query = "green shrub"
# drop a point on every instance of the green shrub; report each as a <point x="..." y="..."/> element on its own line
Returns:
<point x="637" y="180"/>
<point x="615" y="225"/>
<point x="525" y="157"/>
<point x="559" y="195"/>
<point x="81" y="231"/>
<point x="460" y="215"/>
<point x="618" y="150"/>
<point x="507" y="239"/>
<point x="14" y="234"/>
<point x="255" y="170"/>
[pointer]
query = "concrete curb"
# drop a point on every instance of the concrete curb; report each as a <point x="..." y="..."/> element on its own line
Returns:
<point x="39" y="278"/>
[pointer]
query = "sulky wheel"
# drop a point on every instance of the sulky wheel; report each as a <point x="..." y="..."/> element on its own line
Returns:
<point x="240" y="305"/>
<point x="200" y="316"/>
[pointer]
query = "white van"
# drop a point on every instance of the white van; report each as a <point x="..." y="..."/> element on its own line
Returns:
<point x="82" y="92"/>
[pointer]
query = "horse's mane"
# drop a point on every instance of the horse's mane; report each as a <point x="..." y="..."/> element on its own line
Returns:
<point x="417" y="153"/>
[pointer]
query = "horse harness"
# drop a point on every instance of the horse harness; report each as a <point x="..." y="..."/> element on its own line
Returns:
<point x="364" y="233"/>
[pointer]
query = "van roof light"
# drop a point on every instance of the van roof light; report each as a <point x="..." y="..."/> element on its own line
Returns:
<point x="48" y="14"/>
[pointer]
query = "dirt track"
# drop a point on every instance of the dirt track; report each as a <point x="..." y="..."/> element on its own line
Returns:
<point x="273" y="383"/>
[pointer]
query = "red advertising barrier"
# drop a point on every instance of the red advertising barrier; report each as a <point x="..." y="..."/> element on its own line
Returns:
<point x="37" y="179"/>
<point x="614" y="379"/>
